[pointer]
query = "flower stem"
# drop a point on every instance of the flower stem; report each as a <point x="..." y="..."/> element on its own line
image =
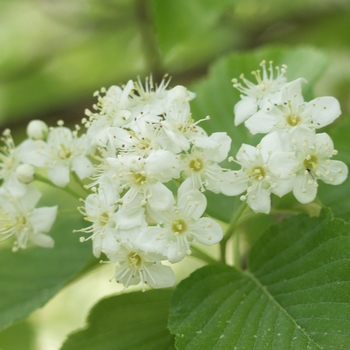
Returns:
<point x="67" y="189"/>
<point x="232" y="228"/>
<point x="197" y="253"/>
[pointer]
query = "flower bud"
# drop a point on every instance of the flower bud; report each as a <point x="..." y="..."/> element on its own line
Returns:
<point x="179" y="93"/>
<point x="37" y="130"/>
<point x="25" y="173"/>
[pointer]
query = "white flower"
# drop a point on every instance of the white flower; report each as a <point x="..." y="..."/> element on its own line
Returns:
<point x="143" y="179"/>
<point x="141" y="140"/>
<point x="200" y="167"/>
<point x="100" y="210"/>
<point x="20" y="218"/>
<point x="63" y="152"/>
<point x="257" y="95"/>
<point x="11" y="157"/>
<point x="149" y="98"/>
<point x="112" y="110"/>
<point x="180" y="227"/>
<point x="135" y="265"/>
<point x="256" y="176"/>
<point x="312" y="162"/>
<point x="293" y="112"/>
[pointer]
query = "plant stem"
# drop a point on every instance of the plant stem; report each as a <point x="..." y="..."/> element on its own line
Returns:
<point x="151" y="49"/>
<point x="197" y="253"/>
<point x="67" y="189"/>
<point x="235" y="222"/>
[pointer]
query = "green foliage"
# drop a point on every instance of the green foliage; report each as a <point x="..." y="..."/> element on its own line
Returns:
<point x="33" y="276"/>
<point x="293" y="295"/>
<point x="130" y="321"/>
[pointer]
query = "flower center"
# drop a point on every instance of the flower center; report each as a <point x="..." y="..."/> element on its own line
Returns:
<point x="64" y="152"/>
<point x="21" y="221"/>
<point x="103" y="218"/>
<point x="293" y="119"/>
<point x="310" y="162"/>
<point x="258" y="173"/>
<point x="196" y="164"/>
<point x="179" y="226"/>
<point x="139" y="179"/>
<point x="135" y="260"/>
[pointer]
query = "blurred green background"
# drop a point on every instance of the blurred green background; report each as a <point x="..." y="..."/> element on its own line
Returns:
<point x="55" y="54"/>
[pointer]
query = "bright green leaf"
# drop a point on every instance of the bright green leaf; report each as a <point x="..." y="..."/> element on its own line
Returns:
<point x="29" y="278"/>
<point x="216" y="98"/>
<point x="136" y="321"/>
<point x="294" y="294"/>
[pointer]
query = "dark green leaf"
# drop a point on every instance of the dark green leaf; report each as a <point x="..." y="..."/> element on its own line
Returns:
<point x="136" y="321"/>
<point x="294" y="295"/>
<point x="31" y="277"/>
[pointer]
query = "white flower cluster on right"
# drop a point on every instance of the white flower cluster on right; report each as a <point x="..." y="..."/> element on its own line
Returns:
<point x="291" y="156"/>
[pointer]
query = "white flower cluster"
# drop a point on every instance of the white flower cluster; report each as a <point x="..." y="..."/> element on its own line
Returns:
<point x="19" y="217"/>
<point x="291" y="156"/>
<point x="146" y="164"/>
<point x="146" y="137"/>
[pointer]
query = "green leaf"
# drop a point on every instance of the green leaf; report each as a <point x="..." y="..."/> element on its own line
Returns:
<point x="216" y="98"/>
<point x="31" y="277"/>
<point x="294" y="294"/>
<point x="136" y="321"/>
<point x="178" y="21"/>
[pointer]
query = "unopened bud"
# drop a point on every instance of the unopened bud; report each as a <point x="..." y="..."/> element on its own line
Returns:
<point x="37" y="130"/>
<point x="25" y="173"/>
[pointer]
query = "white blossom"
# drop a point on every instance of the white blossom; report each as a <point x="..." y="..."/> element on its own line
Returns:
<point x="293" y="112"/>
<point x="256" y="176"/>
<point x="180" y="226"/>
<point x="20" y="219"/>
<point x="133" y="265"/>
<point x="143" y="179"/>
<point x="63" y="152"/>
<point x="112" y="110"/>
<point x="100" y="210"/>
<point x="255" y="96"/>
<point x="312" y="162"/>
<point x="11" y="157"/>
<point x="200" y="166"/>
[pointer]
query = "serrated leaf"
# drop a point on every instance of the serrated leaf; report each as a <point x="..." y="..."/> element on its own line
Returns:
<point x="29" y="278"/>
<point x="294" y="294"/>
<point x="135" y="321"/>
<point x="216" y="98"/>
